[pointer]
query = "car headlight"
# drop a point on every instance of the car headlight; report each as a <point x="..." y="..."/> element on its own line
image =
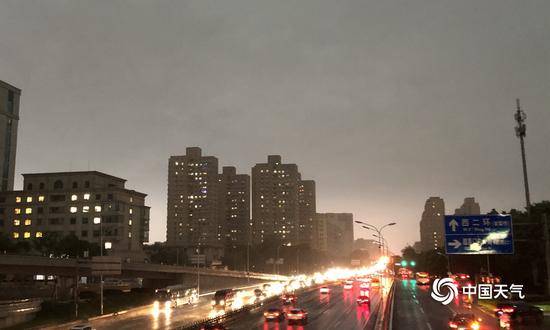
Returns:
<point x="222" y="302"/>
<point x="213" y="302"/>
<point x="156" y="304"/>
<point x="167" y="304"/>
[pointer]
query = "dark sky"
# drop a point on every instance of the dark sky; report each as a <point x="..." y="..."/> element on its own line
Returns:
<point x="382" y="103"/>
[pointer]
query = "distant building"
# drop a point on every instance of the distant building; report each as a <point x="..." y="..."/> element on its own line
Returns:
<point x="9" y="120"/>
<point x="417" y="246"/>
<point x="192" y="210"/>
<point x="91" y="205"/>
<point x="369" y="245"/>
<point x="431" y="224"/>
<point x="275" y="203"/>
<point x="234" y="206"/>
<point x="469" y="207"/>
<point x="333" y="233"/>
<point x="307" y="211"/>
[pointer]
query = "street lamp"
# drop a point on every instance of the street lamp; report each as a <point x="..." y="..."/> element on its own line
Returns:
<point x="376" y="229"/>
<point x="277" y="259"/>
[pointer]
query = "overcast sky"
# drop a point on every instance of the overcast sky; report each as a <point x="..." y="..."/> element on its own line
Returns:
<point x="382" y="103"/>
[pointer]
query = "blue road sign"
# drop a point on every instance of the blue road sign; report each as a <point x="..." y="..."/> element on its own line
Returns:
<point x="479" y="234"/>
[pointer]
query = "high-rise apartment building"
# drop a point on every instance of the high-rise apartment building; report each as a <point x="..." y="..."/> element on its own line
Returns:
<point x="307" y="211"/>
<point x="9" y="119"/>
<point x="333" y="233"/>
<point x="469" y="207"/>
<point x="275" y="206"/>
<point x="234" y="206"/>
<point x="192" y="210"/>
<point x="91" y="205"/>
<point x="431" y="224"/>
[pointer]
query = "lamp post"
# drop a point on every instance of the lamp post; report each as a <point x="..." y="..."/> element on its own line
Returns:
<point x="277" y="259"/>
<point x="385" y="245"/>
<point x="377" y="230"/>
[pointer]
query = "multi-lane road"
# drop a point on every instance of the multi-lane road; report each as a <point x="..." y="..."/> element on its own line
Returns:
<point x="414" y="308"/>
<point x="335" y="310"/>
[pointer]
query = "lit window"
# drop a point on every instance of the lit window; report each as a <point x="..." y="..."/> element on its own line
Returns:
<point x="28" y="210"/>
<point x="18" y="199"/>
<point x="16" y="222"/>
<point x="130" y="222"/>
<point x="97" y="220"/>
<point x="74" y="197"/>
<point x="17" y="211"/>
<point x="85" y="209"/>
<point x="130" y="235"/>
<point x="73" y="209"/>
<point x="98" y="208"/>
<point x="131" y="199"/>
<point x="28" y="222"/>
<point x="108" y="245"/>
<point x="40" y="198"/>
<point x="15" y="235"/>
<point x="86" y="196"/>
<point x="27" y="234"/>
<point x="131" y="211"/>
<point x="29" y="199"/>
<point x="38" y="234"/>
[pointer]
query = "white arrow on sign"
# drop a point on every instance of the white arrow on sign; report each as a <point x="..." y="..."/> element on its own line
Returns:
<point x="453" y="224"/>
<point x="456" y="244"/>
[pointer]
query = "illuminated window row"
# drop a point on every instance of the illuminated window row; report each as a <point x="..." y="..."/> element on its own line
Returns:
<point x="85" y="209"/>
<point x="27" y="234"/>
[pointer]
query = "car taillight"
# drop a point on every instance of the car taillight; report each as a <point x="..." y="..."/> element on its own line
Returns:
<point x="299" y="314"/>
<point x="452" y="325"/>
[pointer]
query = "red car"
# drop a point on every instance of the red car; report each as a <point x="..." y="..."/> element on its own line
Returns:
<point x="363" y="300"/>
<point x="274" y="314"/>
<point x="297" y="315"/>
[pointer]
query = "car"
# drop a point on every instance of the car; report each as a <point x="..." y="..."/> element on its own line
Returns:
<point x="258" y="293"/>
<point x="297" y="315"/>
<point x="274" y="314"/>
<point x="348" y="285"/>
<point x="363" y="300"/>
<point x="464" y="322"/>
<point x="520" y="312"/>
<point x="324" y="289"/>
<point x="364" y="285"/>
<point x="375" y="281"/>
<point x="289" y="299"/>
<point x="82" y="327"/>
<point x="422" y="278"/>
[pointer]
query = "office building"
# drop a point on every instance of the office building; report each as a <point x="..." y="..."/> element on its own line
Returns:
<point x="469" y="207"/>
<point x="431" y="224"/>
<point x="9" y="119"/>
<point x="275" y="206"/>
<point x="234" y="206"/>
<point x="192" y="210"/>
<point x="333" y="234"/>
<point x="93" y="206"/>
<point x="307" y="211"/>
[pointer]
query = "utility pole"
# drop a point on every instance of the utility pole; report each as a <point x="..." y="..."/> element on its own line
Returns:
<point x="520" y="117"/>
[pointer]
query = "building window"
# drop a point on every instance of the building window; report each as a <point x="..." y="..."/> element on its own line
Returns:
<point x="29" y="199"/>
<point x="129" y="234"/>
<point x="18" y="199"/>
<point x="15" y="235"/>
<point x="73" y="209"/>
<point x="28" y="210"/>
<point x="38" y="234"/>
<point x="87" y="197"/>
<point x="75" y="185"/>
<point x="17" y="211"/>
<point x="84" y="233"/>
<point x="131" y="211"/>
<point x="131" y="199"/>
<point x="97" y="197"/>
<point x="27" y="234"/>
<point x="84" y="221"/>
<point x="40" y="210"/>
<point x="41" y="185"/>
<point x="97" y="208"/>
<point x="130" y="222"/>
<point x="16" y="222"/>
<point x="109" y="197"/>
<point x="85" y="209"/>
<point x="74" y="197"/>
<point x="58" y="185"/>
<point x="40" y="198"/>
<point x="73" y="221"/>
<point x="97" y="220"/>
<point x="86" y="184"/>
<point x="29" y="186"/>
<point x="28" y="222"/>
<point x="108" y="245"/>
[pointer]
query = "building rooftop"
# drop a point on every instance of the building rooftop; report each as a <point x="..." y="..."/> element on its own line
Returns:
<point x="9" y="86"/>
<point x="97" y="173"/>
